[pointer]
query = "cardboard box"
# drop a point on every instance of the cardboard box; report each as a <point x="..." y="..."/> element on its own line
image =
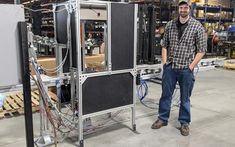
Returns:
<point x="95" y="62"/>
<point x="48" y="63"/>
<point x="94" y="58"/>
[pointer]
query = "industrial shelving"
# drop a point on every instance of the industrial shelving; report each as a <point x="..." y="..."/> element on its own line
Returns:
<point x="216" y="10"/>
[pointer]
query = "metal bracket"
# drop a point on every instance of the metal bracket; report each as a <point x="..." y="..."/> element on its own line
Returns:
<point x="82" y="79"/>
<point x="54" y="8"/>
<point x="134" y="72"/>
<point x="81" y="143"/>
<point x="110" y="67"/>
<point x="44" y="140"/>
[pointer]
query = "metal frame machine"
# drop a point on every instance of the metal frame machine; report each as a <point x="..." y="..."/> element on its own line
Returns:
<point x="81" y="27"/>
<point x="93" y="91"/>
<point x="113" y="88"/>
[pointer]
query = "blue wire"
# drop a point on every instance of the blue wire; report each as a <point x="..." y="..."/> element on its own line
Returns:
<point x="59" y="88"/>
<point x="142" y="92"/>
<point x="62" y="94"/>
<point x="143" y="86"/>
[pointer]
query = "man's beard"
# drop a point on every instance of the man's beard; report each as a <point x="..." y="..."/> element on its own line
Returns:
<point x="184" y="15"/>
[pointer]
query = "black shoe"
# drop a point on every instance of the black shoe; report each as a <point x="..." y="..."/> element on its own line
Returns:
<point x="158" y="124"/>
<point x="184" y="129"/>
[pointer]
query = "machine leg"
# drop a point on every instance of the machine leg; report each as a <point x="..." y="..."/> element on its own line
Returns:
<point x="81" y="143"/>
<point x="134" y="127"/>
<point x="80" y="137"/>
<point x="133" y="119"/>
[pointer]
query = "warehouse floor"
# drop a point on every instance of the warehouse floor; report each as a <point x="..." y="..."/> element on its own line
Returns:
<point x="213" y="119"/>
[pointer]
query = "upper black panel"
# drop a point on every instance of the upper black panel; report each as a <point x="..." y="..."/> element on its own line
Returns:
<point x="122" y="36"/>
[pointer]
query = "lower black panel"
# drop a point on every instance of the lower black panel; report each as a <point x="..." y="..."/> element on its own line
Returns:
<point x="106" y="92"/>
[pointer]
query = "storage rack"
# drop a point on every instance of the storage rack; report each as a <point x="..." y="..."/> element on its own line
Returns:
<point x="212" y="9"/>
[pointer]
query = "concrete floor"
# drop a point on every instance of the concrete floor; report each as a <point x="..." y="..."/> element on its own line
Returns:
<point x="213" y="119"/>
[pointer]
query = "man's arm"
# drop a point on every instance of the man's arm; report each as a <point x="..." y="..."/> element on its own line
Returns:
<point x="165" y="44"/>
<point x="201" y="45"/>
<point x="164" y="55"/>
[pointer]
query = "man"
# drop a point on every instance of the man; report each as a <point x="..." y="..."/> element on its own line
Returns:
<point x="183" y="46"/>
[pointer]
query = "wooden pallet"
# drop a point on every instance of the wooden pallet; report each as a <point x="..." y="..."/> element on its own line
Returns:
<point x="230" y="69"/>
<point x="14" y="104"/>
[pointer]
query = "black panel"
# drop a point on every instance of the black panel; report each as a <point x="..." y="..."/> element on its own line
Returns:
<point x="74" y="41"/>
<point x="37" y="19"/>
<point x="66" y="64"/>
<point x="65" y="93"/>
<point x="61" y="25"/>
<point x="106" y="92"/>
<point x="151" y="35"/>
<point x="146" y="38"/>
<point x="61" y="35"/>
<point x="122" y="36"/>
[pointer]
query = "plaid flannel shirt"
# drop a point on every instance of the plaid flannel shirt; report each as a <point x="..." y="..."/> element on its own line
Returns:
<point x="181" y="51"/>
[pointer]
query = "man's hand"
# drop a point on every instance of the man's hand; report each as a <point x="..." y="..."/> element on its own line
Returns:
<point x="191" y="67"/>
<point x="197" y="58"/>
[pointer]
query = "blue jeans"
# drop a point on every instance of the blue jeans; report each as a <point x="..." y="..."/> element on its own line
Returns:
<point x="186" y="79"/>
